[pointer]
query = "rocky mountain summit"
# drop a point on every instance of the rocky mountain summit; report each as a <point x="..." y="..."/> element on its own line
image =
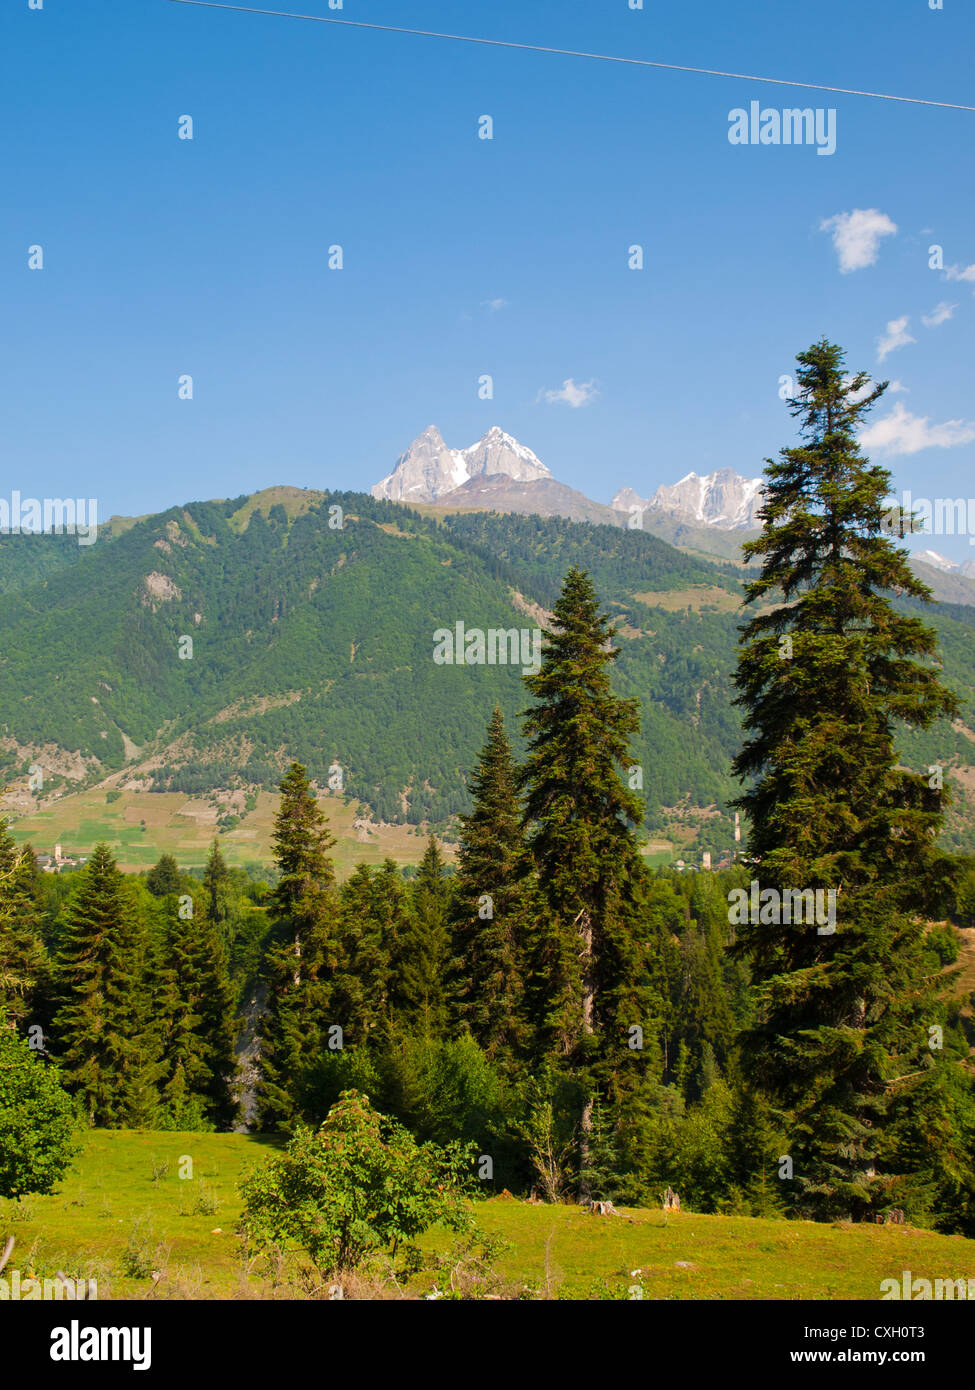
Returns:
<point x="428" y="470"/>
<point x="724" y="499"/>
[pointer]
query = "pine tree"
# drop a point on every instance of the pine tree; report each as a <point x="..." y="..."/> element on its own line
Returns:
<point x="420" y="954"/>
<point x="163" y="877"/>
<point x="219" y="1027"/>
<point x="488" y="914"/>
<point x="108" y="1037"/>
<point x="298" y="965"/>
<point x="825" y="676"/>
<point x="370" y="907"/>
<point x="24" y="964"/>
<point x="199" y="1016"/>
<point x="215" y="877"/>
<point x="595" y="956"/>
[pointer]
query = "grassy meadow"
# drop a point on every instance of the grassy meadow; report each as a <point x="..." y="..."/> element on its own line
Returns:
<point x="124" y="1215"/>
<point x="184" y="826"/>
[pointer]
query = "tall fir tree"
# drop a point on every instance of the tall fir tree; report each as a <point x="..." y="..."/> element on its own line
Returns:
<point x="215" y="879"/>
<point x="107" y="1033"/>
<point x="219" y="1028"/>
<point x="371" y="907"/>
<point x="421" y="952"/>
<point x="24" y="965"/>
<point x="488" y="914"/>
<point x="596" y="955"/>
<point x="298" y="965"/>
<point x="197" y="1007"/>
<point x="164" y="877"/>
<point x="826" y="674"/>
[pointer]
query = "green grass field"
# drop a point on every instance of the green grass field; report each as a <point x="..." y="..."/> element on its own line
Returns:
<point x="184" y="826"/>
<point x="125" y="1213"/>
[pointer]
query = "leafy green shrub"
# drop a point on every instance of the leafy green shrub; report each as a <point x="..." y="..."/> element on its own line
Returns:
<point x="358" y="1186"/>
<point x="37" y="1125"/>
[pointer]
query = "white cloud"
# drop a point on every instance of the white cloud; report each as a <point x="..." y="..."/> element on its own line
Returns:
<point x="868" y="386"/>
<point x="856" y="236"/>
<point x="954" y="272"/>
<point x="573" y="393"/>
<point x="897" y="336"/>
<point x="494" y="304"/>
<point x="940" y="314"/>
<point x="904" y="433"/>
<point x="863" y="392"/>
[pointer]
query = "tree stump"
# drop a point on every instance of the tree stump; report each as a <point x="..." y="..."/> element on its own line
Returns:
<point x="670" y="1199"/>
<point x="602" y="1209"/>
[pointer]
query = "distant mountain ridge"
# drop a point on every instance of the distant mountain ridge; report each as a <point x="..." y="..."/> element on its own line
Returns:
<point x="429" y="472"/>
<point x="938" y="562"/>
<point x="316" y="642"/>
<point x="710" y="514"/>
<point x="537" y="496"/>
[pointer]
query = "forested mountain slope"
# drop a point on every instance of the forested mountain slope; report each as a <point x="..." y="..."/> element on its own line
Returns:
<point x="312" y="618"/>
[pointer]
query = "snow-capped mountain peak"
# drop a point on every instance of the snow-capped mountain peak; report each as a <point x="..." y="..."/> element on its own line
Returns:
<point x="723" y="498"/>
<point x="429" y="470"/>
<point x="936" y="561"/>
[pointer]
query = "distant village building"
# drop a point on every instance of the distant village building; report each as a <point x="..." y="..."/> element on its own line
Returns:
<point x="60" y="861"/>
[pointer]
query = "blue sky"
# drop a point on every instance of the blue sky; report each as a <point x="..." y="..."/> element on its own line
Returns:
<point x="466" y="257"/>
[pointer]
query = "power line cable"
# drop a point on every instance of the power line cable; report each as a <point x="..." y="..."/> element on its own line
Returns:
<point x="573" y="53"/>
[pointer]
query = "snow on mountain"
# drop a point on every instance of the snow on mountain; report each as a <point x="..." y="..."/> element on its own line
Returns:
<point x="938" y="562"/>
<point x="724" y="499"/>
<point x="429" y="470"/>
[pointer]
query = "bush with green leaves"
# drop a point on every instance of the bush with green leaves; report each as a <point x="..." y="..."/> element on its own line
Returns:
<point x="357" y="1187"/>
<point x="37" y="1122"/>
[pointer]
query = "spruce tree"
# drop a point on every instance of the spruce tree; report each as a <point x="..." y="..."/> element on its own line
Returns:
<point x="199" y="1018"/>
<point x="298" y="965"/>
<point x="219" y="1027"/>
<point x="133" y="993"/>
<point x="215" y="877"/>
<point x="108" y="1036"/>
<point x="163" y="877"/>
<point x="826" y="675"/>
<point x="367" y="921"/>
<point x="595" y="955"/>
<point x="421" y="952"/>
<point x="24" y="964"/>
<point x="488" y="913"/>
